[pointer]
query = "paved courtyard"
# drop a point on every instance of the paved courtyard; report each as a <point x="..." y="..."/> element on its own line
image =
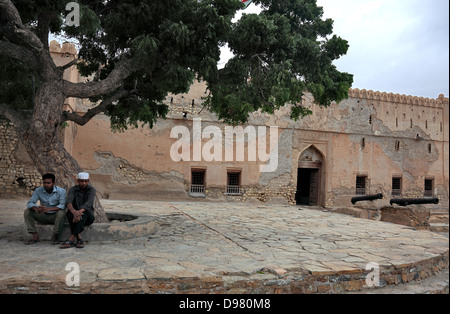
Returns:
<point x="217" y="245"/>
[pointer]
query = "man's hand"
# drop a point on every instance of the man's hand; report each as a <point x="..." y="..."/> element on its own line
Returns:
<point x="39" y="209"/>
<point x="42" y="209"/>
<point x="77" y="215"/>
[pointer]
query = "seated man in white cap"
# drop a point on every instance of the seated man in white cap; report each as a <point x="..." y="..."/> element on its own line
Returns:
<point x="80" y="210"/>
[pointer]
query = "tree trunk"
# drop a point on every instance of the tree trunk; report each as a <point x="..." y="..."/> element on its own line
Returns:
<point x="45" y="147"/>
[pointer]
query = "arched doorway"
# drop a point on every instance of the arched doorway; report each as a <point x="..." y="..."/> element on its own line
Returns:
<point x="309" y="178"/>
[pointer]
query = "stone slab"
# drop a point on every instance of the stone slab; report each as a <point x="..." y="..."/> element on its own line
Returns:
<point x="205" y="247"/>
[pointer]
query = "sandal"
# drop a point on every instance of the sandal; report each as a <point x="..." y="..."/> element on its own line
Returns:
<point x="31" y="242"/>
<point x="54" y="240"/>
<point x="80" y="244"/>
<point x="67" y="244"/>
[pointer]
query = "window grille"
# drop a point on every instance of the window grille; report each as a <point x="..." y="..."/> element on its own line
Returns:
<point x="198" y="182"/>
<point x="428" y="188"/>
<point x="233" y="186"/>
<point x="361" y="185"/>
<point x="197" y="188"/>
<point x="396" y="186"/>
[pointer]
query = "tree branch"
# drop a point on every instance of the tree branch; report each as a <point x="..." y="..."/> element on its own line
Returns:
<point x="19" y="53"/>
<point x="14" y="31"/>
<point x="97" y="88"/>
<point x="13" y="27"/>
<point x="68" y="65"/>
<point x="82" y="120"/>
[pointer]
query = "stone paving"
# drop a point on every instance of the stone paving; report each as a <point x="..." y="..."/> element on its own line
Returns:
<point x="217" y="244"/>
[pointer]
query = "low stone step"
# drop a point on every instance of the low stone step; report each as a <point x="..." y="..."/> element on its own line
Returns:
<point x="121" y="226"/>
<point x="439" y="217"/>
<point x="439" y="211"/>
<point x="439" y="227"/>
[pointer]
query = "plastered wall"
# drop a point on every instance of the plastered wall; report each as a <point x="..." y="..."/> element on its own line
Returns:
<point x="373" y="134"/>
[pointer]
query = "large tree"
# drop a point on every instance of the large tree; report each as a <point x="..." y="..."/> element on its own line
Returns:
<point x="137" y="51"/>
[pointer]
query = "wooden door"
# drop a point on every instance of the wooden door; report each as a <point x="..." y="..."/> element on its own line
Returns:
<point x="314" y="187"/>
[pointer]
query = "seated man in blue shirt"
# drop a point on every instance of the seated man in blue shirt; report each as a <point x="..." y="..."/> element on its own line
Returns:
<point x="51" y="210"/>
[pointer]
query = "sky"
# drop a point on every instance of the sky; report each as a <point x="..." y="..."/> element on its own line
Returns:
<point x="396" y="46"/>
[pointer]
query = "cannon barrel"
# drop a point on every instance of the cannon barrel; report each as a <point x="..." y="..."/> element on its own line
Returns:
<point x="361" y="198"/>
<point x="414" y="201"/>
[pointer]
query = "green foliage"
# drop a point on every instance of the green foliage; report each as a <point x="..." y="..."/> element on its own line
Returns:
<point x="172" y="41"/>
<point x="17" y="87"/>
<point x="133" y="111"/>
<point x="279" y="54"/>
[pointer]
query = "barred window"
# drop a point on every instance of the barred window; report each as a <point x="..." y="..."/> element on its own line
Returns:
<point x="361" y="185"/>
<point x="234" y="183"/>
<point x="396" y="186"/>
<point x="198" y="181"/>
<point x="429" y="183"/>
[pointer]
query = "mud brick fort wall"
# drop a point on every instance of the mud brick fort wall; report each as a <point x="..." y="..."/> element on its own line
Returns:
<point x="375" y="137"/>
<point x="17" y="173"/>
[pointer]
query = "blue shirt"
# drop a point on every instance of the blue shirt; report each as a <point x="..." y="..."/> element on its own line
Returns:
<point x="57" y="198"/>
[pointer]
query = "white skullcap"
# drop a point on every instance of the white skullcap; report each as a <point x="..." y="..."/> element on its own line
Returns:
<point x="83" y="176"/>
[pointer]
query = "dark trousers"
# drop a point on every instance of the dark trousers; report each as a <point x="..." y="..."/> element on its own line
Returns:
<point x="77" y="227"/>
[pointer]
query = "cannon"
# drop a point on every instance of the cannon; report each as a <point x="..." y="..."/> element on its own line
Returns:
<point x="361" y="198"/>
<point x="414" y="201"/>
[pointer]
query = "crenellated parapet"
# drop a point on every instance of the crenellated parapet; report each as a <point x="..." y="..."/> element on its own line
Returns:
<point x="66" y="50"/>
<point x="397" y="98"/>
